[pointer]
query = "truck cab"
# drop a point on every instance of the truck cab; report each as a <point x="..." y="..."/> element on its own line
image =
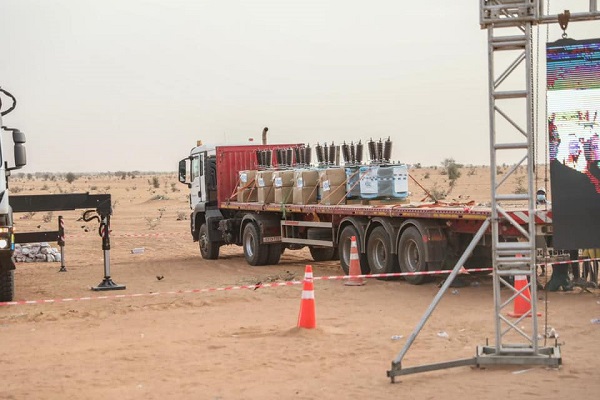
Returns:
<point x="194" y="171"/>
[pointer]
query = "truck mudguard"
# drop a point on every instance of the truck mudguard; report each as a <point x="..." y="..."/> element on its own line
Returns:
<point x="434" y="239"/>
<point x="390" y="226"/>
<point x="268" y="226"/>
<point x="213" y="216"/>
<point x="360" y="224"/>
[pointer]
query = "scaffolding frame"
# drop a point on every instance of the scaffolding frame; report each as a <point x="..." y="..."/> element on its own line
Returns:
<point x="510" y="259"/>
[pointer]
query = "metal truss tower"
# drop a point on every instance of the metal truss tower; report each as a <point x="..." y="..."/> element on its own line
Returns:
<point x="512" y="116"/>
<point x="509" y="26"/>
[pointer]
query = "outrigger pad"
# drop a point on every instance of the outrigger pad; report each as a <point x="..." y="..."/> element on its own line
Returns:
<point x="108" y="284"/>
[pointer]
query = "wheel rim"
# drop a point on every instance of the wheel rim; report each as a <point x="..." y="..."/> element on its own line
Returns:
<point x="249" y="245"/>
<point x="379" y="255"/>
<point x="412" y="256"/>
<point x="203" y="242"/>
<point x="346" y="251"/>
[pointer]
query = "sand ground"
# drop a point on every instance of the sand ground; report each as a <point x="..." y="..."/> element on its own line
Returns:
<point x="243" y="344"/>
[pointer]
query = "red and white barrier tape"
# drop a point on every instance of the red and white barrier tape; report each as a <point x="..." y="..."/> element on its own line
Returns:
<point x="134" y="235"/>
<point x="228" y="288"/>
<point x="263" y="285"/>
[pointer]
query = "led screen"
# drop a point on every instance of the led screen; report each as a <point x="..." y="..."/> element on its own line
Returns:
<point x="573" y="78"/>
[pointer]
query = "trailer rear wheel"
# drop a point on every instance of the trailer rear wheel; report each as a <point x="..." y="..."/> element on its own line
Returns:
<point x="411" y="255"/>
<point x="344" y="250"/>
<point x="275" y="252"/>
<point x="209" y="250"/>
<point x="255" y="253"/>
<point x="379" y="252"/>
<point x="319" y="253"/>
<point x="7" y="285"/>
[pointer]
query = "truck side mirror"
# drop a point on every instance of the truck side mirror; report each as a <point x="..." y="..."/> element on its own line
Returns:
<point x="18" y="136"/>
<point x="19" y="150"/>
<point x="20" y="155"/>
<point x="183" y="172"/>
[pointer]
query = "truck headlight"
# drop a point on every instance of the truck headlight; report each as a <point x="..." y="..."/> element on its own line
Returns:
<point x="3" y="243"/>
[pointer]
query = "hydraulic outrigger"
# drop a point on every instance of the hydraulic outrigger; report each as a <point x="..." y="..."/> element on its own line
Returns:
<point x="100" y="209"/>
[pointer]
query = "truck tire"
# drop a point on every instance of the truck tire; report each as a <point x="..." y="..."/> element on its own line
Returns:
<point x="275" y="252"/>
<point x="7" y="285"/>
<point x="319" y="253"/>
<point x="209" y="250"/>
<point x="344" y="250"/>
<point x="255" y="253"/>
<point x="411" y="255"/>
<point x="379" y="253"/>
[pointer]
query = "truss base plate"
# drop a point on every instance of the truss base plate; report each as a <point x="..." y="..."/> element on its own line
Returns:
<point x="108" y="284"/>
<point x="519" y="355"/>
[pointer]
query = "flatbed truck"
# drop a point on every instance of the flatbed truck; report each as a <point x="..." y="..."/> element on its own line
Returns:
<point x="391" y="237"/>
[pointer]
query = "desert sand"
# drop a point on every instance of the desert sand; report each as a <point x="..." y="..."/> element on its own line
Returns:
<point x="168" y="339"/>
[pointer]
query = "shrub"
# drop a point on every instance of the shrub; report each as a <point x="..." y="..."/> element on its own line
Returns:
<point x="47" y="217"/>
<point x="437" y="193"/>
<point x="70" y="177"/>
<point x="451" y="168"/>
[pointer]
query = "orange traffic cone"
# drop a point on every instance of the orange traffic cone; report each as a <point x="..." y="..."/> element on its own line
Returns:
<point x="522" y="303"/>
<point x="307" y="318"/>
<point x="354" y="269"/>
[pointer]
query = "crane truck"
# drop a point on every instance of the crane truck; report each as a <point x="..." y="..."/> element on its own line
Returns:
<point x="391" y="236"/>
<point x="7" y="237"/>
<point x="100" y="206"/>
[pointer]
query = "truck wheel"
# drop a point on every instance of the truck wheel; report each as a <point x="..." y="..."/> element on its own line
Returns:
<point x="344" y="250"/>
<point x="323" y="253"/>
<point x="379" y="253"/>
<point x="411" y="255"/>
<point x="255" y="253"/>
<point x="7" y="285"/>
<point x="209" y="250"/>
<point x="275" y="252"/>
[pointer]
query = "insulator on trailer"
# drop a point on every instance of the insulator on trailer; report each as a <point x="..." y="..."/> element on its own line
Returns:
<point x="337" y="156"/>
<point x="359" y="152"/>
<point x="259" y="159"/>
<point x="301" y="154"/>
<point x="346" y="153"/>
<point x="307" y="155"/>
<point x="387" y="150"/>
<point x="297" y="155"/>
<point x="284" y="162"/>
<point x="279" y="158"/>
<point x="325" y="153"/>
<point x="332" y="154"/>
<point x="269" y="158"/>
<point x="266" y="158"/>
<point x="352" y="153"/>
<point x="372" y="152"/>
<point x="379" y="150"/>
<point x="319" y="152"/>
<point x="290" y="157"/>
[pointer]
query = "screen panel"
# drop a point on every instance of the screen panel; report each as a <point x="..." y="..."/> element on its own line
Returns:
<point x="573" y="79"/>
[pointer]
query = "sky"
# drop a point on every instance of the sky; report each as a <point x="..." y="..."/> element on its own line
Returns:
<point x="124" y="85"/>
